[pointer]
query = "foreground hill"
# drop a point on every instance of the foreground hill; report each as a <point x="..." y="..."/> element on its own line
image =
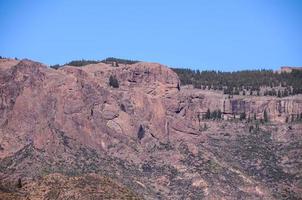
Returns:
<point x="58" y="186"/>
<point x="133" y="125"/>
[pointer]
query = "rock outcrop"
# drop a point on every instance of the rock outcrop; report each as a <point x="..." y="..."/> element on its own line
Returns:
<point x="288" y="69"/>
<point x="146" y="135"/>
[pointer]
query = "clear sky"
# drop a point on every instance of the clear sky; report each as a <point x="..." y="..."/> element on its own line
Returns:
<point x="200" y="34"/>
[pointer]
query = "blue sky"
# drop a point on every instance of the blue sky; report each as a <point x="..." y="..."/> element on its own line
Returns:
<point x="200" y="34"/>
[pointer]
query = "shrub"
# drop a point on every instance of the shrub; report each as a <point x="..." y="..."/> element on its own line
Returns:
<point x="265" y="116"/>
<point x="123" y="108"/>
<point x="141" y="132"/>
<point x="219" y="114"/>
<point x="19" y="183"/>
<point x="208" y="114"/>
<point x="113" y="82"/>
<point x="242" y="116"/>
<point x="57" y="66"/>
<point x="251" y="128"/>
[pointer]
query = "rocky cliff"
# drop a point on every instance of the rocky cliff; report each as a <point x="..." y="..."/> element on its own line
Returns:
<point x="279" y="110"/>
<point x="146" y="135"/>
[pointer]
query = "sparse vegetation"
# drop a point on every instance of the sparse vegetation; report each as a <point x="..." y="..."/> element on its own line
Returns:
<point x="76" y="63"/>
<point x="111" y="60"/>
<point x="216" y="114"/>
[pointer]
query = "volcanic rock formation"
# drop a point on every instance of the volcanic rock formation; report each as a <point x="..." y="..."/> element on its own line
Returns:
<point x="69" y="126"/>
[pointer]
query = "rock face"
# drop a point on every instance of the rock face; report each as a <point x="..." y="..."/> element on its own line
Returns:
<point x="288" y="69"/>
<point x="278" y="109"/>
<point x="146" y="135"/>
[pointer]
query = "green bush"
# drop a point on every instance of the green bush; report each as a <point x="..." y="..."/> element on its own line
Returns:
<point x="141" y="132"/>
<point x="113" y="82"/>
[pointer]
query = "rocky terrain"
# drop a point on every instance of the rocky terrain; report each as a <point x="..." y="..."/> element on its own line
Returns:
<point x="68" y="134"/>
<point x="58" y="186"/>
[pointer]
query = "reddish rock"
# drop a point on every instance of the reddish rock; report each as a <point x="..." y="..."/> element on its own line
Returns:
<point x="146" y="134"/>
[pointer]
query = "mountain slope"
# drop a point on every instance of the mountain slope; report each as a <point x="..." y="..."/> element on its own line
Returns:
<point x="146" y="135"/>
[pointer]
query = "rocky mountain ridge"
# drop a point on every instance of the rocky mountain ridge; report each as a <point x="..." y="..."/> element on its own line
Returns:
<point x="147" y="134"/>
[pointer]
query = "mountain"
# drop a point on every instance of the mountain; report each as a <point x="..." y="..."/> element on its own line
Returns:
<point x="131" y="131"/>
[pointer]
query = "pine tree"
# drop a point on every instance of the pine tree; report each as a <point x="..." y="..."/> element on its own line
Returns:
<point x="265" y="116"/>
<point x="242" y="116"/>
<point x="292" y="118"/>
<point x="285" y="93"/>
<point x="178" y="86"/>
<point x="208" y="114"/>
<point x="19" y="183"/>
<point x="286" y="119"/>
<point x="213" y="114"/>
<point x="251" y="128"/>
<point x="123" y="108"/>
<point x="219" y="114"/>
<point x="141" y="132"/>
<point x="113" y="82"/>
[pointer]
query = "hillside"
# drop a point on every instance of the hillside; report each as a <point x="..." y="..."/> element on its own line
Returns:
<point x="131" y="130"/>
<point x="286" y="82"/>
